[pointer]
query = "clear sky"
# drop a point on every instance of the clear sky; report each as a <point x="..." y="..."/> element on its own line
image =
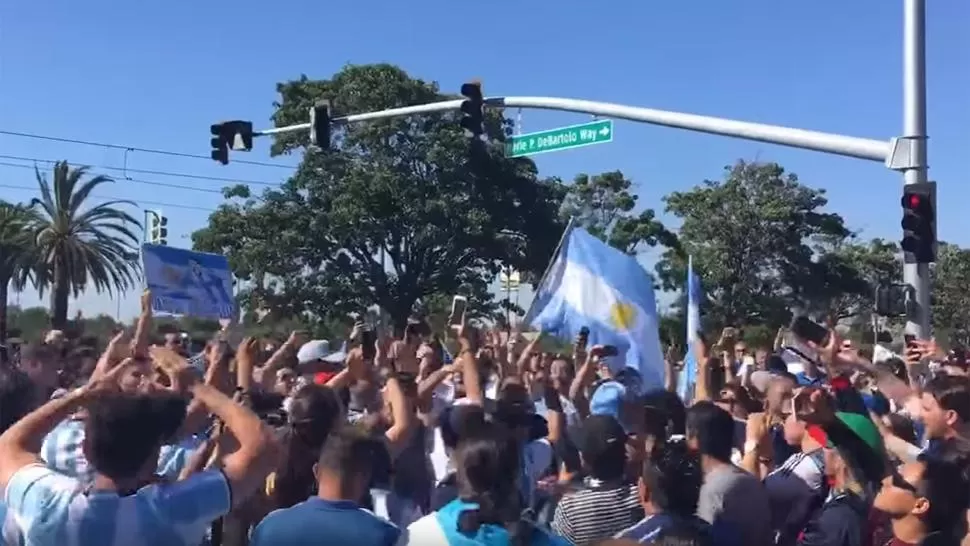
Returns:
<point x="157" y="74"/>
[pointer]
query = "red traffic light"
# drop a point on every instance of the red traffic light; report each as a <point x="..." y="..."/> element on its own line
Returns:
<point x="914" y="201"/>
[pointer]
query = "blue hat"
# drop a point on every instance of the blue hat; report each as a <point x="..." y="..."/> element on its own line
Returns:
<point x="608" y="399"/>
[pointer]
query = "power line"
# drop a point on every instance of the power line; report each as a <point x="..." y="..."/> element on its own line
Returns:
<point x="142" y="171"/>
<point x="135" y="148"/>
<point x="111" y="198"/>
<point x="135" y="180"/>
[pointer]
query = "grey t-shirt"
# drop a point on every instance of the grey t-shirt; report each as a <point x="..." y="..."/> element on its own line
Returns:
<point x="737" y="501"/>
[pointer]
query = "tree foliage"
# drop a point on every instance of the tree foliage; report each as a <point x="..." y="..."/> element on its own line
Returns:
<point x="604" y="205"/>
<point x="951" y="298"/>
<point x="78" y="244"/>
<point x="396" y="211"/>
<point x="755" y="238"/>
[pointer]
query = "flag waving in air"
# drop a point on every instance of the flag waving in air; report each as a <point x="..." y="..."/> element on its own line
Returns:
<point x="688" y="375"/>
<point x="592" y="284"/>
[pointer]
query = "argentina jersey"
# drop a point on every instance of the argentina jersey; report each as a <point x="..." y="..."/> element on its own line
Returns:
<point x="51" y="508"/>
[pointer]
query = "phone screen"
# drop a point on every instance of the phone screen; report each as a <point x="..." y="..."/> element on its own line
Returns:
<point x="368" y="339"/>
<point x="458" y="305"/>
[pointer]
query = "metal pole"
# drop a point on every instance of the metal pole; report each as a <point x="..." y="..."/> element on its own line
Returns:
<point x="862" y="148"/>
<point x="914" y="130"/>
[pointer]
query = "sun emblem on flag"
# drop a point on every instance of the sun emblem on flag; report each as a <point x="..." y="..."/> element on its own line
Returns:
<point x="622" y="315"/>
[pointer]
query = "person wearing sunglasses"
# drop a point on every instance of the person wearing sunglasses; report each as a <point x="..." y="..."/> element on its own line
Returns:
<point x="926" y="501"/>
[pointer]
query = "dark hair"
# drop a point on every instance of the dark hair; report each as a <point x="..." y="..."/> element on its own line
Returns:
<point x="457" y="422"/>
<point x="713" y="428"/>
<point x="674" y="478"/>
<point x="670" y="406"/>
<point x="314" y="411"/>
<point x="351" y="452"/>
<point x="123" y="430"/>
<point x="488" y="465"/>
<point x="944" y="484"/>
<point x="951" y="393"/>
<point x="17" y="396"/>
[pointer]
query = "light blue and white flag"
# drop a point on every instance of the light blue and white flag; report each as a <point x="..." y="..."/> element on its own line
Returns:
<point x="688" y="374"/>
<point x="592" y="284"/>
<point x="184" y="282"/>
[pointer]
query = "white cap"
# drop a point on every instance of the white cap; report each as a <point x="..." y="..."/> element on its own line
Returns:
<point x="319" y="349"/>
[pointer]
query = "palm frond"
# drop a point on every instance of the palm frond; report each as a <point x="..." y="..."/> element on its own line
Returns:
<point x="93" y="244"/>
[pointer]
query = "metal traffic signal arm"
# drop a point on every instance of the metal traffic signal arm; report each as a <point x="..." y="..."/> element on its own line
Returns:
<point x="906" y="153"/>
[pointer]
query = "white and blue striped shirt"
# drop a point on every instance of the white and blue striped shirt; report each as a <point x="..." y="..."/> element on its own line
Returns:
<point x="51" y="508"/>
<point x="62" y="451"/>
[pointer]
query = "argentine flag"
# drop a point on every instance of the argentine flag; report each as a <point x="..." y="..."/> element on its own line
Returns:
<point x="592" y="284"/>
<point x="688" y="375"/>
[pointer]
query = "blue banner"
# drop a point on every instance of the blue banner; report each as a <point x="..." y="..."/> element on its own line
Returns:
<point x="184" y="282"/>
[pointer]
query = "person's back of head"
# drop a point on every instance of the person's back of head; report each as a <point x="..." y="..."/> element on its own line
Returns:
<point x="17" y="396"/>
<point x="670" y="406"/>
<point x="488" y="473"/>
<point x="124" y="431"/>
<point x="710" y="431"/>
<point x="602" y="444"/>
<point x="944" y="485"/>
<point x="346" y="463"/>
<point x="671" y="480"/>
<point x="314" y="412"/>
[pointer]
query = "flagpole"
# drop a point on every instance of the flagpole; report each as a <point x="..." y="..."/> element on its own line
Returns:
<point x="552" y="260"/>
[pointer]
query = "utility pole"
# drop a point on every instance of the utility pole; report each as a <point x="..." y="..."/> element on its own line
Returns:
<point x="906" y="153"/>
<point x="915" y="274"/>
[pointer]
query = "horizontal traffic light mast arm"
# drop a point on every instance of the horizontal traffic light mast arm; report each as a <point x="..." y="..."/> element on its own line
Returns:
<point x="862" y="148"/>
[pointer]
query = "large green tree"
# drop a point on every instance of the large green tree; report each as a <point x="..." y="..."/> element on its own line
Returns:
<point x="394" y="212"/>
<point x="842" y="279"/>
<point x="753" y="237"/>
<point x="78" y="244"/>
<point x="15" y="244"/>
<point x="951" y="298"/>
<point x="603" y="205"/>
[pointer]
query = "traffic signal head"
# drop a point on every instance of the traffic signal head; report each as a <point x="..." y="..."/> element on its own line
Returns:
<point x="473" y="109"/>
<point x="158" y="230"/>
<point x="220" y="144"/>
<point x="919" y="222"/>
<point x="230" y="135"/>
<point x="320" y="124"/>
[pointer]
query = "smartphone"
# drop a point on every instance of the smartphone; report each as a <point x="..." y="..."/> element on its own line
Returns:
<point x="583" y="339"/>
<point x="609" y="350"/>
<point x="458" y="306"/>
<point x="808" y="330"/>
<point x="368" y="343"/>
<point x="908" y="339"/>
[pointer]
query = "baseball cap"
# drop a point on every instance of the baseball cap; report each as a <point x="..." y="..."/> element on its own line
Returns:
<point x="319" y="349"/>
<point x="608" y="399"/>
<point x="599" y="434"/>
<point x="860" y="425"/>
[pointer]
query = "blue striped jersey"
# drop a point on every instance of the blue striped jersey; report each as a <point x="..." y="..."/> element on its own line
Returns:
<point x="51" y="508"/>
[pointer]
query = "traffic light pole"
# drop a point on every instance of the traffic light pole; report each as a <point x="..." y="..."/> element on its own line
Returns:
<point x="916" y="275"/>
<point x="906" y="153"/>
<point x="861" y="148"/>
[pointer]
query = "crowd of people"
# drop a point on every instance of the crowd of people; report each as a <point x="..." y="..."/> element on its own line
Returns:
<point x="374" y="441"/>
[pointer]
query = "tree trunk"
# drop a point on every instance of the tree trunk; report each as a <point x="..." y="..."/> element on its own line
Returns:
<point x="59" y="296"/>
<point x="4" y="292"/>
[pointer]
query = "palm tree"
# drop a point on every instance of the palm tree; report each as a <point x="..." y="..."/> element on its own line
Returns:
<point x="15" y="249"/>
<point x="79" y="244"/>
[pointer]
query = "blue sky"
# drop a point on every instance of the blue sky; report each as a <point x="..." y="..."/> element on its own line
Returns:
<point x="156" y="75"/>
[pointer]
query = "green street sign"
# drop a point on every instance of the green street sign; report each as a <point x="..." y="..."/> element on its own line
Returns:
<point x="563" y="138"/>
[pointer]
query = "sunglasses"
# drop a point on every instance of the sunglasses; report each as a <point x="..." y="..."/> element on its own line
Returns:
<point x="899" y="482"/>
